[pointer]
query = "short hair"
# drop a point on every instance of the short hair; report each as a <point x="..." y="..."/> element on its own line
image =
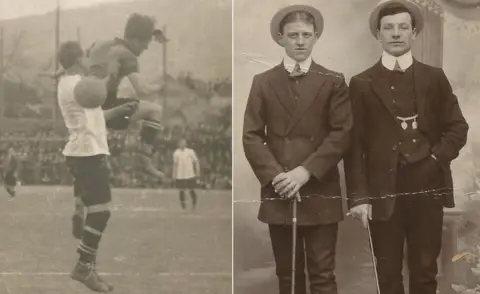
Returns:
<point x="139" y="27"/>
<point x="393" y="9"/>
<point x="300" y="15"/>
<point x="69" y="53"/>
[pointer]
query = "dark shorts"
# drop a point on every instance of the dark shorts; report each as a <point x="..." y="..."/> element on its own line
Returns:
<point x="118" y="123"/>
<point x="10" y="179"/>
<point x="185" y="184"/>
<point x="90" y="179"/>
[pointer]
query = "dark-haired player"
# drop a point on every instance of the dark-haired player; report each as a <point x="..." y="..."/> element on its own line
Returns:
<point x="120" y="55"/>
<point x="117" y="58"/>
<point x="144" y="150"/>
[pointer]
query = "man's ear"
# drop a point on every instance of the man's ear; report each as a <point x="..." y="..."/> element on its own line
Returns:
<point x="280" y="38"/>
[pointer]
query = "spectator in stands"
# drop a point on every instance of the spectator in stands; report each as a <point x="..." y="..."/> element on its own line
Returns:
<point x="42" y="164"/>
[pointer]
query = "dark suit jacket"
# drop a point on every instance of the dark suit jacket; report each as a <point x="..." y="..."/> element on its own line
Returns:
<point x="371" y="163"/>
<point x="280" y="135"/>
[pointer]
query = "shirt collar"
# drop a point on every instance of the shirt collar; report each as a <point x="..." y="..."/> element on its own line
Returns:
<point x="405" y="61"/>
<point x="289" y="63"/>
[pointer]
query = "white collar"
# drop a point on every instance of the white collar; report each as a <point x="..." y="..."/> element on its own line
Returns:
<point x="289" y="63"/>
<point x="405" y="61"/>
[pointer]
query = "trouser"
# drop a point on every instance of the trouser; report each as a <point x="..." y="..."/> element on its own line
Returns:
<point x="315" y="249"/>
<point x="418" y="219"/>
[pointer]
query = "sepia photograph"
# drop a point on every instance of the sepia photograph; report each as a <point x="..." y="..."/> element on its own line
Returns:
<point x="115" y="146"/>
<point x="356" y="155"/>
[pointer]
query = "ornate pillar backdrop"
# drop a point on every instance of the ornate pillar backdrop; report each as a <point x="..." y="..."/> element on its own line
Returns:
<point x="428" y="47"/>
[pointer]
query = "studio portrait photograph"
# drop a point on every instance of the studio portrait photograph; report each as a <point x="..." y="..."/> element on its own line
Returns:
<point x="355" y="147"/>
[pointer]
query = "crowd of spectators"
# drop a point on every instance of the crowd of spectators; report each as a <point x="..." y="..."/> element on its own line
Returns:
<point x="44" y="164"/>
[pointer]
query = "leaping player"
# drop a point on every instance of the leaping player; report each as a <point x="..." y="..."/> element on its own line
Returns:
<point x="144" y="150"/>
<point x="121" y="54"/>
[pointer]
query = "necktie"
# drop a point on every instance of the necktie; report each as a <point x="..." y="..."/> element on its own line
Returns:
<point x="297" y="71"/>
<point x="397" y="67"/>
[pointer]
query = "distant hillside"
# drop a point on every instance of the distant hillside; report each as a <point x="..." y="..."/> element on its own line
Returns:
<point x="200" y="35"/>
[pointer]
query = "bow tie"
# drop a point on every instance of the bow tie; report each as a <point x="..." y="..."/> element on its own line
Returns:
<point x="297" y="71"/>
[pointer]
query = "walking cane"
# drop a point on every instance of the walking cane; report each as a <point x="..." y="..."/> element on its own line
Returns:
<point x="374" y="259"/>
<point x="294" y="241"/>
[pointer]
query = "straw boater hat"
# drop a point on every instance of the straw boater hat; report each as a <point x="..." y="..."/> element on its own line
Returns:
<point x="280" y="15"/>
<point x="414" y="9"/>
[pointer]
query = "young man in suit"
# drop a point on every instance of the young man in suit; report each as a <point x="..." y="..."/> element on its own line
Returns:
<point x="296" y="130"/>
<point x="407" y="129"/>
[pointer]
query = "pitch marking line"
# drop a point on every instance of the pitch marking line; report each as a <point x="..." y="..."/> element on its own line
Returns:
<point x="160" y="212"/>
<point x="6" y="286"/>
<point x="121" y="208"/>
<point x="133" y="214"/>
<point x="39" y="274"/>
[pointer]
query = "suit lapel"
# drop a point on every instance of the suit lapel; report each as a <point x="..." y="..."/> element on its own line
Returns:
<point x="380" y="86"/>
<point x="311" y="85"/>
<point x="421" y="81"/>
<point x="279" y="84"/>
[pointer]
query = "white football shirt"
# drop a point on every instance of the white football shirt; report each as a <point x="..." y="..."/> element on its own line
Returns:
<point x="86" y="127"/>
<point x="184" y="160"/>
